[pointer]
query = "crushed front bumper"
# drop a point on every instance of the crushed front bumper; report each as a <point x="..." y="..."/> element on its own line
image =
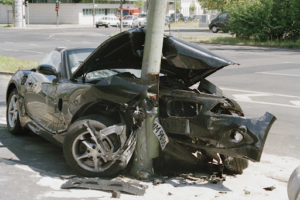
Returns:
<point x="219" y="134"/>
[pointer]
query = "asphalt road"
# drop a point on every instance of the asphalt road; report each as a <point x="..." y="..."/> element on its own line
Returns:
<point x="267" y="79"/>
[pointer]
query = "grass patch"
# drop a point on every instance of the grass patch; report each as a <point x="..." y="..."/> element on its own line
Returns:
<point x="241" y="41"/>
<point x="11" y="64"/>
<point x="7" y="26"/>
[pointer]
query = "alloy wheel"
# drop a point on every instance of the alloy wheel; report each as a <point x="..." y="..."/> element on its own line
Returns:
<point x="12" y="111"/>
<point x="89" y="156"/>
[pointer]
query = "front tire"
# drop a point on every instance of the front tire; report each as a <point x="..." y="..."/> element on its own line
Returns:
<point x="214" y="29"/>
<point x="81" y="151"/>
<point x="97" y="26"/>
<point x="12" y="114"/>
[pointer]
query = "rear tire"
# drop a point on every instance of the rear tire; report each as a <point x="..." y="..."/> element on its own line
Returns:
<point x="75" y="147"/>
<point x="12" y="115"/>
<point x="97" y="26"/>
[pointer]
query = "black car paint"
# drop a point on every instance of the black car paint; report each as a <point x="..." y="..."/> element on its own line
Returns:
<point x="220" y="23"/>
<point x="49" y="104"/>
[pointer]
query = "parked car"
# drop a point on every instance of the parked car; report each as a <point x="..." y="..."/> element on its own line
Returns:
<point x="219" y="23"/>
<point x="142" y="19"/>
<point x="186" y="19"/>
<point x="108" y="21"/>
<point x="130" y="21"/>
<point x="179" y="17"/>
<point x="167" y="20"/>
<point x="90" y="102"/>
<point x="196" y="17"/>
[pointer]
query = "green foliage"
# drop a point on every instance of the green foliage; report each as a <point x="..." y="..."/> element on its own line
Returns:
<point x="12" y="64"/>
<point x="266" y="19"/>
<point x="213" y="4"/>
<point x="7" y="2"/>
<point x="139" y="3"/>
<point x="192" y="6"/>
<point x="178" y="5"/>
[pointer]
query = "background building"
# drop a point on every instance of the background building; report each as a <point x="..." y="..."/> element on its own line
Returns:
<point x="81" y="11"/>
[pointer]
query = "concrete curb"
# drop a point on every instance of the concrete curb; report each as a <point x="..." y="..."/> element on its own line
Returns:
<point x="6" y="73"/>
<point x="2" y="103"/>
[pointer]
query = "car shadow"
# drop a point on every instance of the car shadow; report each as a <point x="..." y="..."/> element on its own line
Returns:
<point x="35" y="152"/>
<point x="47" y="159"/>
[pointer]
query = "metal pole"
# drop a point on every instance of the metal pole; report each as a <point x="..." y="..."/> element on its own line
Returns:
<point x="94" y="13"/>
<point x="28" y="14"/>
<point x="7" y="18"/>
<point x="121" y="17"/>
<point x="18" y="13"/>
<point x="147" y="144"/>
<point x="57" y="18"/>
<point x="175" y="15"/>
<point x="22" y="13"/>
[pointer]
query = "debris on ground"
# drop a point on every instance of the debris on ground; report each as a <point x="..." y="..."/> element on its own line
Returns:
<point x="115" y="194"/>
<point x="247" y="192"/>
<point x="223" y="192"/>
<point x="270" y="188"/>
<point x="63" y="177"/>
<point x="157" y="181"/>
<point x="106" y="185"/>
<point x="170" y="193"/>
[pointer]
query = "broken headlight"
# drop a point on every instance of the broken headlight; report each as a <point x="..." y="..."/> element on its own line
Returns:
<point x="183" y="109"/>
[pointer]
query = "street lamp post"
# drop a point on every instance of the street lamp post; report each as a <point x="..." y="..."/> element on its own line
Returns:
<point x="93" y="12"/>
<point x="147" y="147"/>
<point x="121" y="16"/>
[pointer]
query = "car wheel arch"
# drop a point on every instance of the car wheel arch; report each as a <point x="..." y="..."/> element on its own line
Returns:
<point x="94" y="108"/>
<point x="10" y="89"/>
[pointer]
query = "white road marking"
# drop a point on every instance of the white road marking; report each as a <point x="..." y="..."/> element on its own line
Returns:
<point x="278" y="74"/>
<point x="267" y="103"/>
<point x="34" y="45"/>
<point x="246" y="96"/>
<point x="10" y="50"/>
<point x="287" y="62"/>
<point x="250" y="91"/>
<point x="8" y="42"/>
<point x="297" y="103"/>
<point x="34" y="52"/>
<point x="24" y="51"/>
<point x="50" y="36"/>
<point x="85" y="42"/>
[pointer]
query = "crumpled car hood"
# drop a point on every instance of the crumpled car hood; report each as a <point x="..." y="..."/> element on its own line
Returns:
<point x="181" y="59"/>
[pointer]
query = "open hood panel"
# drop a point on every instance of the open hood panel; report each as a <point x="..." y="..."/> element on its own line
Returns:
<point x="182" y="59"/>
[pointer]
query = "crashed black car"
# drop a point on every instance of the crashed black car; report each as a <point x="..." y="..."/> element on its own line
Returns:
<point x="89" y="102"/>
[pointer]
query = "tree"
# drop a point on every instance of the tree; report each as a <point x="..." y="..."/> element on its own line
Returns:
<point x="139" y="3"/>
<point x="192" y="7"/>
<point x="220" y="5"/>
<point x="178" y="5"/>
<point x="266" y="20"/>
<point x="11" y="3"/>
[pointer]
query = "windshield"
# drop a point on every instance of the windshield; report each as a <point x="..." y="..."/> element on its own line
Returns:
<point x="76" y="57"/>
<point x="100" y="74"/>
<point x="128" y="17"/>
<point x="142" y="16"/>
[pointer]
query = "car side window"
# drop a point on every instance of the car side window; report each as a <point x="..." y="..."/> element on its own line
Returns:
<point x="53" y="58"/>
<point x="223" y="16"/>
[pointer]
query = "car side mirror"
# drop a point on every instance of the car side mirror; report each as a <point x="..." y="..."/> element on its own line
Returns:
<point x="47" y="70"/>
